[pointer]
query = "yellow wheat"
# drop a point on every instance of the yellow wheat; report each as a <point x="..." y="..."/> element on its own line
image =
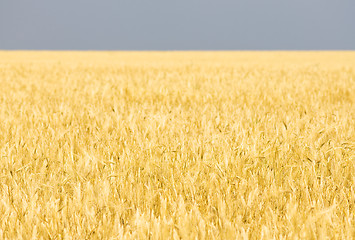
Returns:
<point x="177" y="145"/>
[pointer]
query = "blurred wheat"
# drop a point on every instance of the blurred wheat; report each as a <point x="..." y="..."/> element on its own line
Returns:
<point x="199" y="145"/>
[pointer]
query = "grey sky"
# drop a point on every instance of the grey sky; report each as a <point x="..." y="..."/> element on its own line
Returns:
<point x="177" y="25"/>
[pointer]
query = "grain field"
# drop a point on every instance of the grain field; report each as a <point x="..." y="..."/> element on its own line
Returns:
<point x="177" y="145"/>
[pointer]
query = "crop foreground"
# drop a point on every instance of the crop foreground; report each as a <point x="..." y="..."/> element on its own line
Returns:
<point x="177" y="145"/>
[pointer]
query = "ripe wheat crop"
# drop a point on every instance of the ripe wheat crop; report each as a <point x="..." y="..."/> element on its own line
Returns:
<point x="177" y="145"/>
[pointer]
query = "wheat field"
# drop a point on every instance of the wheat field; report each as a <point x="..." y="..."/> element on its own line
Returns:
<point x="177" y="145"/>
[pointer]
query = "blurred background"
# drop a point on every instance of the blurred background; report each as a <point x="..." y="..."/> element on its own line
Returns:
<point x="177" y="25"/>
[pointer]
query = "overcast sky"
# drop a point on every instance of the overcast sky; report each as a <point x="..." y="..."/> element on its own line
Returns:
<point x="177" y="25"/>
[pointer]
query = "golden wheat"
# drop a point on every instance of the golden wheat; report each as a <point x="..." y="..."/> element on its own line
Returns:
<point x="176" y="145"/>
